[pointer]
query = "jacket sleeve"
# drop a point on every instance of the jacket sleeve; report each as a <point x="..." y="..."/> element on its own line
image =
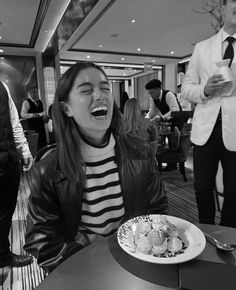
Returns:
<point x="158" y="202"/>
<point x="47" y="237"/>
<point x="192" y="88"/>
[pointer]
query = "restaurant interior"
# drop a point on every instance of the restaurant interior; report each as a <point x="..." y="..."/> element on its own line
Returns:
<point x="134" y="41"/>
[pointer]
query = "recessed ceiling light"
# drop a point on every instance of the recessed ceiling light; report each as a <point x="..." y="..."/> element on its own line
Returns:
<point x="172" y="52"/>
<point x="100" y="45"/>
<point x="138" y="49"/>
<point x="1" y="50"/>
<point x="153" y="60"/>
<point x="0" y="37"/>
<point x="133" y="20"/>
<point x="88" y="56"/>
<point x="122" y="58"/>
<point x="124" y="74"/>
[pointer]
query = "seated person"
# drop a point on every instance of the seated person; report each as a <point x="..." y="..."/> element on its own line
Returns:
<point x="135" y="124"/>
<point x="89" y="185"/>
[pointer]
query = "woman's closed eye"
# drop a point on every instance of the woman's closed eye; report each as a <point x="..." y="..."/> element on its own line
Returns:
<point x="88" y="91"/>
<point x="106" y="89"/>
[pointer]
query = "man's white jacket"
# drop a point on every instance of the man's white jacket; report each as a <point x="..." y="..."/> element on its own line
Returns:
<point x="202" y="66"/>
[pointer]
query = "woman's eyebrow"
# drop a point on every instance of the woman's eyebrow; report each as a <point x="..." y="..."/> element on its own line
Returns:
<point x="84" y="84"/>
<point x="104" y="83"/>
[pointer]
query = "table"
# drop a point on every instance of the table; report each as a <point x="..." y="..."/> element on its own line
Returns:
<point x="105" y="266"/>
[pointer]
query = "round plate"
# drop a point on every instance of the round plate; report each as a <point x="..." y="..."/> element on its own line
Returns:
<point x="191" y="235"/>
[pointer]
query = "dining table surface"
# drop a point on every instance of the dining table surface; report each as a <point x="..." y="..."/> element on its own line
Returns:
<point x="104" y="265"/>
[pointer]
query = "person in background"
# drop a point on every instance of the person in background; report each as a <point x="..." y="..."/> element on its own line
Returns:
<point x="123" y="99"/>
<point x="90" y="184"/>
<point x="162" y="103"/>
<point x="32" y="110"/>
<point x="135" y="124"/>
<point x="12" y="143"/>
<point x="50" y="126"/>
<point x="214" y="122"/>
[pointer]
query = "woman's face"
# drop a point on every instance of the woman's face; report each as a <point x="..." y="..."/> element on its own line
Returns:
<point x="91" y="103"/>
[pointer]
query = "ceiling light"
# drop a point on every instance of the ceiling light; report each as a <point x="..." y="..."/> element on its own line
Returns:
<point x="124" y="74"/>
<point x="172" y="52"/>
<point x="0" y="37"/>
<point x="138" y="49"/>
<point x="88" y="56"/>
<point x="100" y="45"/>
<point x="122" y="58"/>
<point x="133" y="20"/>
<point x="153" y="60"/>
<point x="1" y="50"/>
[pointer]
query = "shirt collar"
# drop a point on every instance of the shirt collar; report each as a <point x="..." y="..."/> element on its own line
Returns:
<point x="225" y="35"/>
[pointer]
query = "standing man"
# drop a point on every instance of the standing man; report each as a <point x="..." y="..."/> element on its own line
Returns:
<point x="162" y="103"/>
<point x="12" y="142"/>
<point x="214" y="122"/>
<point x="32" y="111"/>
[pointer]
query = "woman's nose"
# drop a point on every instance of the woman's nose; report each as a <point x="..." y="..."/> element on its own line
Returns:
<point x="97" y="94"/>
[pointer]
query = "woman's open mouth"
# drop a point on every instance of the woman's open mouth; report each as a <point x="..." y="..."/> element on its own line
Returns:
<point x="100" y="111"/>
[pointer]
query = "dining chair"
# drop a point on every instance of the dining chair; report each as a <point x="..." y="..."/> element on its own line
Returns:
<point x="44" y="151"/>
<point x="181" y="117"/>
<point x="179" y="145"/>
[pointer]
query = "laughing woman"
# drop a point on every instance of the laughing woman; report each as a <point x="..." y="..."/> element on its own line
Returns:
<point x="95" y="179"/>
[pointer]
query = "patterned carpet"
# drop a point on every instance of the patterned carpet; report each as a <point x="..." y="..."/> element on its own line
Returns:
<point x="25" y="278"/>
<point x="182" y="204"/>
<point x="181" y="196"/>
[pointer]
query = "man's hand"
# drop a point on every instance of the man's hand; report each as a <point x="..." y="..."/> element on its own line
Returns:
<point x="213" y="84"/>
<point x="27" y="162"/>
<point x="156" y="118"/>
<point x="36" y="115"/>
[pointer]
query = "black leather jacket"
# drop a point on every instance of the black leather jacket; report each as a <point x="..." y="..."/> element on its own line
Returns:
<point x="55" y="201"/>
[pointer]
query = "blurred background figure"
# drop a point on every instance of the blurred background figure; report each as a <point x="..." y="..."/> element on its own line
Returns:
<point x="135" y="124"/>
<point x="50" y="126"/>
<point x="12" y="142"/>
<point x="124" y="97"/>
<point x="32" y="111"/>
<point x="162" y="102"/>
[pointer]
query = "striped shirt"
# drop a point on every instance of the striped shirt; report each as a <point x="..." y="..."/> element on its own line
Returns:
<point x="102" y="207"/>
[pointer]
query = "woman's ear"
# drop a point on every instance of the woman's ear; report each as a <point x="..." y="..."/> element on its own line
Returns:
<point x="66" y="108"/>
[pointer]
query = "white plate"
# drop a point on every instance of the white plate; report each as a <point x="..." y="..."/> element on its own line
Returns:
<point x="191" y="235"/>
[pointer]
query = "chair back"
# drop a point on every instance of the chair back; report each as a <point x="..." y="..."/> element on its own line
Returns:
<point x="174" y="140"/>
<point x="184" y="145"/>
<point x="44" y="151"/>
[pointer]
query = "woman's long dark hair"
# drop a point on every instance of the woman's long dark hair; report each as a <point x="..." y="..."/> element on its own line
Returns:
<point x="67" y="132"/>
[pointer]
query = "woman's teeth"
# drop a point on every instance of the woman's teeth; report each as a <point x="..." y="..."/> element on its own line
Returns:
<point x="99" y="111"/>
